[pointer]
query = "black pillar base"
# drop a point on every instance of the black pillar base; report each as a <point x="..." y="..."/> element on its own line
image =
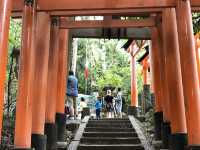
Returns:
<point x="51" y="133"/>
<point x="133" y="110"/>
<point x="166" y="132"/>
<point x="61" y="126"/>
<point x="158" y="119"/>
<point x="38" y="141"/>
<point x="193" y="147"/>
<point x="178" y="141"/>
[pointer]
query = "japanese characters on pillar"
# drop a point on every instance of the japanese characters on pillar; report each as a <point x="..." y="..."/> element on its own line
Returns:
<point x="189" y="71"/>
<point x="23" y="123"/>
<point x="5" y="13"/>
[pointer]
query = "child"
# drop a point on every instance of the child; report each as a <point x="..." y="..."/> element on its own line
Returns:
<point x="98" y="106"/>
<point x="83" y="104"/>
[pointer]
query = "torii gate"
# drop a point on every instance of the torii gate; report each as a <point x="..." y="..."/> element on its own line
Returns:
<point x="43" y="63"/>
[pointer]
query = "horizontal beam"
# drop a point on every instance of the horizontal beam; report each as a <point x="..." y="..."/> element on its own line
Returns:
<point x="50" y="5"/>
<point x="134" y="33"/>
<point x="107" y="12"/>
<point x="150" y="22"/>
<point x="75" y="5"/>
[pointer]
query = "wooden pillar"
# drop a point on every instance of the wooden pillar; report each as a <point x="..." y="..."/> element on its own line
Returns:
<point x="197" y="47"/>
<point x="155" y="65"/>
<point x="145" y="71"/>
<point x="5" y="13"/>
<point x="189" y="72"/>
<point x="165" y="96"/>
<point x="146" y="86"/>
<point x="39" y="87"/>
<point x="24" y="104"/>
<point x="134" y="95"/>
<point x="165" y="93"/>
<point x="134" y="98"/>
<point x="50" y="126"/>
<point x="61" y="84"/>
<point x="174" y="80"/>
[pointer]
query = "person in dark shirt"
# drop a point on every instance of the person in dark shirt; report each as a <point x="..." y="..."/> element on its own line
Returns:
<point x="109" y="104"/>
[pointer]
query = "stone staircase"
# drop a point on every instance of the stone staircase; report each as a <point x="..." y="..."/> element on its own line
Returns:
<point x="109" y="134"/>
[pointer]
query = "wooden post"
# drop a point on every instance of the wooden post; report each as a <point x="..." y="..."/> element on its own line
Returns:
<point x="5" y="13"/>
<point x="197" y="47"/>
<point x="39" y="87"/>
<point x="145" y="71"/>
<point x="155" y="65"/>
<point x="189" y="72"/>
<point x="50" y="126"/>
<point x="134" y="98"/>
<point x="174" y="80"/>
<point x="24" y="104"/>
<point x="166" y="131"/>
<point x="61" y="84"/>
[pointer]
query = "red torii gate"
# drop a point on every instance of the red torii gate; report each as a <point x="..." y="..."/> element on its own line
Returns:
<point x="181" y="76"/>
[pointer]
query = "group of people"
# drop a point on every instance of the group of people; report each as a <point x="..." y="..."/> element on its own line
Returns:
<point x="111" y="103"/>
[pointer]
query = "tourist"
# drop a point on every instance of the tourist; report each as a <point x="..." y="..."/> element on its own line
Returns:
<point x="118" y="103"/>
<point x="109" y="104"/>
<point x="83" y="104"/>
<point x="72" y="94"/>
<point x="98" y="106"/>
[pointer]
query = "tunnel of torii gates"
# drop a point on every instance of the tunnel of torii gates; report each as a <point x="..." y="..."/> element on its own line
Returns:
<point x="46" y="32"/>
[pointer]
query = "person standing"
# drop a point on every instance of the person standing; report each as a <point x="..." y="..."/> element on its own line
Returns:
<point x="83" y="105"/>
<point x="98" y="106"/>
<point x="118" y="103"/>
<point x="109" y="104"/>
<point x="72" y="94"/>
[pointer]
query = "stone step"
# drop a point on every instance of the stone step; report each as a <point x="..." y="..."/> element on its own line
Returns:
<point x="108" y="129"/>
<point x="111" y="147"/>
<point x="125" y="125"/>
<point x="110" y="140"/>
<point x="110" y="121"/>
<point x="110" y="134"/>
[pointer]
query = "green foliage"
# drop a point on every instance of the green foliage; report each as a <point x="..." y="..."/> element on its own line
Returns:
<point x="196" y="22"/>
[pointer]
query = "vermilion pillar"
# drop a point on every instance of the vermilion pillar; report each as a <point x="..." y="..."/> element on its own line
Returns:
<point x="5" y="13"/>
<point x="146" y="86"/>
<point x="50" y="126"/>
<point x="165" y="102"/>
<point x="165" y="93"/>
<point x="189" y="72"/>
<point x="155" y="65"/>
<point x="39" y="87"/>
<point x="24" y="104"/>
<point x="61" y="84"/>
<point x="197" y="46"/>
<point x="134" y="98"/>
<point x="145" y="66"/>
<point x="174" y="80"/>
